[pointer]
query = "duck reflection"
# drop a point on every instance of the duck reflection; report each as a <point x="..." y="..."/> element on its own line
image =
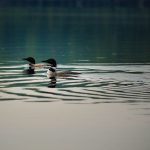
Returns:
<point x="52" y="83"/>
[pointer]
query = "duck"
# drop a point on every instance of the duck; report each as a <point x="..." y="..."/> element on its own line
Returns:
<point x="51" y="65"/>
<point x="31" y="64"/>
<point x="52" y="74"/>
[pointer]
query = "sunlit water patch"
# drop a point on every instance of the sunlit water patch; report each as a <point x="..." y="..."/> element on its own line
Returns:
<point x="96" y="83"/>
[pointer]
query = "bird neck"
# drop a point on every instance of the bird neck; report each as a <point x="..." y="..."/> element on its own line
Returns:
<point x="52" y="69"/>
<point x="31" y="67"/>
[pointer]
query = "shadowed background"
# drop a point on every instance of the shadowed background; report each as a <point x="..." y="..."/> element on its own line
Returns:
<point x="73" y="30"/>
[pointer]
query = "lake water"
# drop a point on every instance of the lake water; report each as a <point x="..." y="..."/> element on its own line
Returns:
<point x="106" y="107"/>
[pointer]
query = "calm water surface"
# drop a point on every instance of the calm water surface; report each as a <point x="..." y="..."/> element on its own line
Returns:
<point x="109" y="49"/>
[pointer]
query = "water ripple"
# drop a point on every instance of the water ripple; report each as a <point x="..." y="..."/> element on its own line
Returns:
<point x="97" y="83"/>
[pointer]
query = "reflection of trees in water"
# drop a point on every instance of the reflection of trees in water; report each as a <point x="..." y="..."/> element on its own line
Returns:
<point x="76" y="3"/>
<point x="52" y="83"/>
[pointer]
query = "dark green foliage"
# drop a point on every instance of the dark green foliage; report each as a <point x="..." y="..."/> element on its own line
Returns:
<point x="75" y="3"/>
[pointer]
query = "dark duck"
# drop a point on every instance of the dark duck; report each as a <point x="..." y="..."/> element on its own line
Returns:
<point x="31" y="63"/>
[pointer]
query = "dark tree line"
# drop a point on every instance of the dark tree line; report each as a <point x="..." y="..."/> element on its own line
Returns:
<point x="76" y="3"/>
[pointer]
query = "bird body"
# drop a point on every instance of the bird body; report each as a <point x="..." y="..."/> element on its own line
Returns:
<point x="51" y="65"/>
<point x="51" y="72"/>
<point x="30" y="69"/>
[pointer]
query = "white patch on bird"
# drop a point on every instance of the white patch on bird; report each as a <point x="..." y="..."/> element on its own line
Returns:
<point x="51" y="74"/>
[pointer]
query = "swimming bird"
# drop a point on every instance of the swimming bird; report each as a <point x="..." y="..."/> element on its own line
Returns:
<point x="51" y="66"/>
<point x="51" y="72"/>
<point x="30" y="69"/>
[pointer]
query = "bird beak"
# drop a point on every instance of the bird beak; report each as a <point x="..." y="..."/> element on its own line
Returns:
<point x="44" y="61"/>
<point x="24" y="58"/>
